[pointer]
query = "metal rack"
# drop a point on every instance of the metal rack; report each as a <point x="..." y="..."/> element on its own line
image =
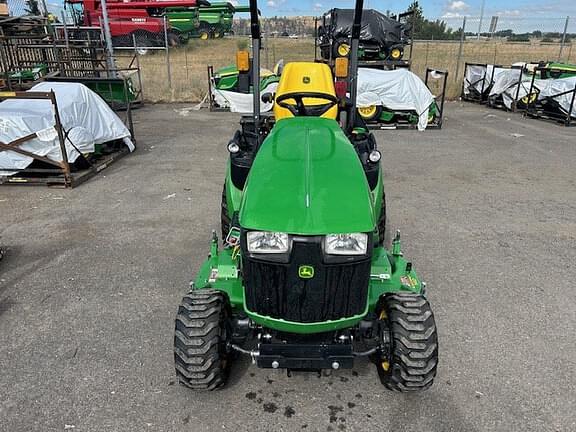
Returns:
<point x="437" y="122"/>
<point x="45" y="171"/>
<point x="474" y="95"/>
<point x="548" y="107"/>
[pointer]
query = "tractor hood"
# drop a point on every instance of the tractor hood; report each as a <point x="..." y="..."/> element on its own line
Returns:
<point x="307" y="179"/>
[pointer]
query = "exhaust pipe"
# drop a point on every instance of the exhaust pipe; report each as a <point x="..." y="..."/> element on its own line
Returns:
<point x="354" y="44"/>
<point x="255" y="31"/>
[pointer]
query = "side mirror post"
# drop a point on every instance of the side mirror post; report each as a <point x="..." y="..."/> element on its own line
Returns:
<point x="268" y="97"/>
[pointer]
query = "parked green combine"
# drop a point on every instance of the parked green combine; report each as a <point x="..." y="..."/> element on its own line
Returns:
<point x="216" y="20"/>
<point x="184" y="22"/>
<point x="205" y="22"/>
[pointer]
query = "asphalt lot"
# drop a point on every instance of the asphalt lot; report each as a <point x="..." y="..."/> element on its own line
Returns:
<point x="93" y="277"/>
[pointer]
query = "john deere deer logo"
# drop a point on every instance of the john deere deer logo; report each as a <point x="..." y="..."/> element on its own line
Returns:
<point x="306" y="272"/>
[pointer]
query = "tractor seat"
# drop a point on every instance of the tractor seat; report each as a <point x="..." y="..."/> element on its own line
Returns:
<point x="306" y="77"/>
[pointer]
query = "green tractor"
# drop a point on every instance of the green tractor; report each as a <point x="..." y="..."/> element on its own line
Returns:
<point x="304" y="279"/>
<point x="216" y="20"/>
<point x="228" y="78"/>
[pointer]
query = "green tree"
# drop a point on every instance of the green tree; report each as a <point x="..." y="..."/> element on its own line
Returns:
<point x="426" y="29"/>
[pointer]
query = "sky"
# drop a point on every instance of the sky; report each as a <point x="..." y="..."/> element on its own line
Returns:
<point x="515" y="14"/>
<point x="521" y="15"/>
<point x="432" y="8"/>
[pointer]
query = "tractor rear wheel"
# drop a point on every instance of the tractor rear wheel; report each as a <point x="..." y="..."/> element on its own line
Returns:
<point x="370" y="113"/>
<point x="410" y="365"/>
<point x="341" y="48"/>
<point x="224" y="217"/>
<point x="201" y="355"/>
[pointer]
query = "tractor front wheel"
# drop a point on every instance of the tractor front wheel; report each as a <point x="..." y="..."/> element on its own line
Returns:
<point x="201" y="354"/>
<point x="410" y="365"/>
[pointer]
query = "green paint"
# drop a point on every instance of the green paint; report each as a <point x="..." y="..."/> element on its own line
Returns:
<point x="307" y="179"/>
<point x="385" y="277"/>
<point x="219" y="17"/>
<point x="184" y="20"/>
<point x="226" y="78"/>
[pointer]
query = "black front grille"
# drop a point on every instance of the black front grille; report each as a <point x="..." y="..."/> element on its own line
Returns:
<point x="336" y="291"/>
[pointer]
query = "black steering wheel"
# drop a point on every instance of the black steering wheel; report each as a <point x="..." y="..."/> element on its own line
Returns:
<point x="300" y="109"/>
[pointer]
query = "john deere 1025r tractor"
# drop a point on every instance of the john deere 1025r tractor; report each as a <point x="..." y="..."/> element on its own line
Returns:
<point x="303" y="280"/>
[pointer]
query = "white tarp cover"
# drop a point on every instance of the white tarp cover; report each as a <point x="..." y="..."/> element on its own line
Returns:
<point x="85" y="116"/>
<point x="552" y="87"/>
<point x="482" y="77"/>
<point x="506" y="84"/>
<point x="397" y="90"/>
<point x="242" y="102"/>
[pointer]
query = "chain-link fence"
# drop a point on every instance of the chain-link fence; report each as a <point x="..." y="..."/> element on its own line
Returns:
<point x="175" y="69"/>
<point x="502" y="41"/>
<point x="496" y="40"/>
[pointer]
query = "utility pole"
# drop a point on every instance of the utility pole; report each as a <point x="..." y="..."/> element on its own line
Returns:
<point x="105" y="25"/>
<point x="481" y="18"/>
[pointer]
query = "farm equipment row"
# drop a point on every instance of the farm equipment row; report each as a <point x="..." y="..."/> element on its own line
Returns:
<point x="539" y="90"/>
<point x="148" y="23"/>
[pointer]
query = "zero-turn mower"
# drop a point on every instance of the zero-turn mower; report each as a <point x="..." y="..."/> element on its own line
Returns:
<point x="303" y="279"/>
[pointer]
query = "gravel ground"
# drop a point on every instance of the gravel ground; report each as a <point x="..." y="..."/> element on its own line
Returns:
<point x="93" y="277"/>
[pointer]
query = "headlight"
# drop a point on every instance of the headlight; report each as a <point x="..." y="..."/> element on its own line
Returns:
<point x="346" y="244"/>
<point x="267" y="242"/>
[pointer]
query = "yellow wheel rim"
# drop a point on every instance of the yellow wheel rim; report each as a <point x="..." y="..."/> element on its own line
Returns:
<point x="204" y="35"/>
<point x="385" y="364"/>
<point x="396" y="54"/>
<point x="367" y="112"/>
<point x="529" y="99"/>
<point x="343" y="50"/>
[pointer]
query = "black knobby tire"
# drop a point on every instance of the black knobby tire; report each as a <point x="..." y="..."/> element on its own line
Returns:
<point x="204" y="31"/>
<point x="174" y="39"/>
<point x="411" y="363"/>
<point x="382" y="235"/>
<point x="224" y="216"/>
<point x="200" y="338"/>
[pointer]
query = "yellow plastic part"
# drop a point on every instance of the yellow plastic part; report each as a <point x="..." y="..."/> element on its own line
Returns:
<point x="243" y="61"/>
<point x="386" y="366"/>
<point x="396" y="54"/>
<point x="341" y="67"/>
<point x="302" y="77"/>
